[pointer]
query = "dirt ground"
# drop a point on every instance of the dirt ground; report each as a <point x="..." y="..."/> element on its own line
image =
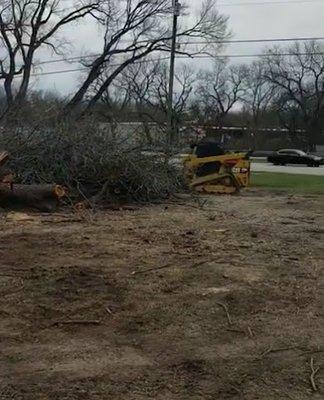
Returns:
<point x="173" y="301"/>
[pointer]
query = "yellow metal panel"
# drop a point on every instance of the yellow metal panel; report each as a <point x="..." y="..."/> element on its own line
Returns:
<point x="193" y="160"/>
<point x="235" y="167"/>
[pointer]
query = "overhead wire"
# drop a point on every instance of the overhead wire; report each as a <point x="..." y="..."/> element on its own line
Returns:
<point x="253" y="55"/>
<point x="258" y="2"/>
<point x="206" y="43"/>
<point x="85" y="68"/>
<point x="235" y="41"/>
<point x="270" y="3"/>
<point x="201" y="56"/>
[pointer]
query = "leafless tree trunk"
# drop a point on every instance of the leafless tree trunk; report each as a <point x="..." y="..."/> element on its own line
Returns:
<point x="219" y="90"/>
<point x="136" y="82"/>
<point x="25" y="27"/>
<point x="147" y="87"/>
<point x="145" y="25"/>
<point x="299" y="79"/>
<point x="257" y="97"/>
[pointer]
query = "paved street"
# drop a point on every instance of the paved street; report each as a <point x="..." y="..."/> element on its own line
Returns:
<point x="288" y="169"/>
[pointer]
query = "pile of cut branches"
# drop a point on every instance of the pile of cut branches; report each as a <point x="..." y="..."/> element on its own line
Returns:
<point x="91" y="164"/>
<point x="138" y="178"/>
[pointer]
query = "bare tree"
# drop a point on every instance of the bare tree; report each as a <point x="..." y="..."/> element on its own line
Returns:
<point x="220" y="89"/>
<point x="183" y="86"/>
<point x="144" y="87"/>
<point x="290" y="118"/>
<point x="258" y="94"/>
<point x="25" y="27"/>
<point x="137" y="81"/>
<point x="134" y="29"/>
<point x="298" y="78"/>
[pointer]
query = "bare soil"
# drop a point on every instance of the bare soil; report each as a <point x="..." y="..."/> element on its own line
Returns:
<point x="182" y="300"/>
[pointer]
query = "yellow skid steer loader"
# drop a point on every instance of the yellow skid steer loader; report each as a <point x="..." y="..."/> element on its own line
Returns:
<point x="210" y="170"/>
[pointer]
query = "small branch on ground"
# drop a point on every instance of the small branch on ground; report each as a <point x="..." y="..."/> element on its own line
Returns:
<point x="271" y="350"/>
<point x="313" y="374"/>
<point x="108" y="310"/>
<point x="201" y="202"/>
<point x="312" y="352"/>
<point x="169" y="265"/>
<point x="82" y="209"/>
<point x="78" y="322"/>
<point x="250" y="332"/>
<point x="225" y="308"/>
<point x="236" y="331"/>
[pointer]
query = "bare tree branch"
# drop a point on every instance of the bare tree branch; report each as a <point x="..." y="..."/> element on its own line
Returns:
<point x="220" y="89"/>
<point x="27" y="25"/>
<point x="299" y="82"/>
<point x="145" y="26"/>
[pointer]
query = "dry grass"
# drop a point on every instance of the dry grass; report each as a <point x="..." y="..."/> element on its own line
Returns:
<point x="165" y="335"/>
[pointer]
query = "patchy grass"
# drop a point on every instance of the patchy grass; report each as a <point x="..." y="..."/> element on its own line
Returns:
<point x="301" y="183"/>
<point x="259" y="160"/>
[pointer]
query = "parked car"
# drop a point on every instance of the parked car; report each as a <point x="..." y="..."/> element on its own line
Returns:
<point x="292" y="156"/>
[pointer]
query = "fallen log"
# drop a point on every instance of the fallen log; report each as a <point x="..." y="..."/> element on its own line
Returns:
<point x="41" y="197"/>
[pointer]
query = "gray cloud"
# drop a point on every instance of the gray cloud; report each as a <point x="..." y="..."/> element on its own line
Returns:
<point x="246" y="22"/>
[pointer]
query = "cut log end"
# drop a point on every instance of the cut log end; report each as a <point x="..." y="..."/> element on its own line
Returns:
<point x="59" y="191"/>
<point x="81" y="206"/>
<point x="41" y="197"/>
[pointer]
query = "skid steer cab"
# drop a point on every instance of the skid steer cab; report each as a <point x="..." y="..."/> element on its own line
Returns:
<point x="209" y="169"/>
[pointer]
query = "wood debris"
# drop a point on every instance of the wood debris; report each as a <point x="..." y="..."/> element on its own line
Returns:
<point x="314" y="372"/>
<point x="43" y="197"/>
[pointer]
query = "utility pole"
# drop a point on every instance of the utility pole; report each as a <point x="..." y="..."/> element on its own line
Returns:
<point x="170" y="125"/>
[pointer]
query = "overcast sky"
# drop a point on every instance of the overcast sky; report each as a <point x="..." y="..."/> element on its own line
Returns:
<point x="247" y="20"/>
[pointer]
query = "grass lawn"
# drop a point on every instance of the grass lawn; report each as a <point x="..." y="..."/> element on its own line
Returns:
<point x="299" y="183"/>
<point x="260" y="160"/>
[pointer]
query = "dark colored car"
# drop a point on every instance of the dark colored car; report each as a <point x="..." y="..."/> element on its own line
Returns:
<point x="291" y="156"/>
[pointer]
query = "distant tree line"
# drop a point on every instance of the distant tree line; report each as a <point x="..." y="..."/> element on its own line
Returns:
<point x="284" y="87"/>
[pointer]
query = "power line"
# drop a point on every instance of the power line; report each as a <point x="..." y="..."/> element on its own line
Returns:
<point x="238" y="41"/>
<point x="245" y="3"/>
<point x="77" y="58"/>
<point x="298" y="39"/>
<point x="249" y="3"/>
<point x="269" y="3"/>
<point x="63" y="71"/>
<point x="202" y="56"/>
<point x="253" y="55"/>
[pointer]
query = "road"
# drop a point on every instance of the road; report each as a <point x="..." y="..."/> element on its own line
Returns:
<point x="262" y="166"/>
<point x="287" y="169"/>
